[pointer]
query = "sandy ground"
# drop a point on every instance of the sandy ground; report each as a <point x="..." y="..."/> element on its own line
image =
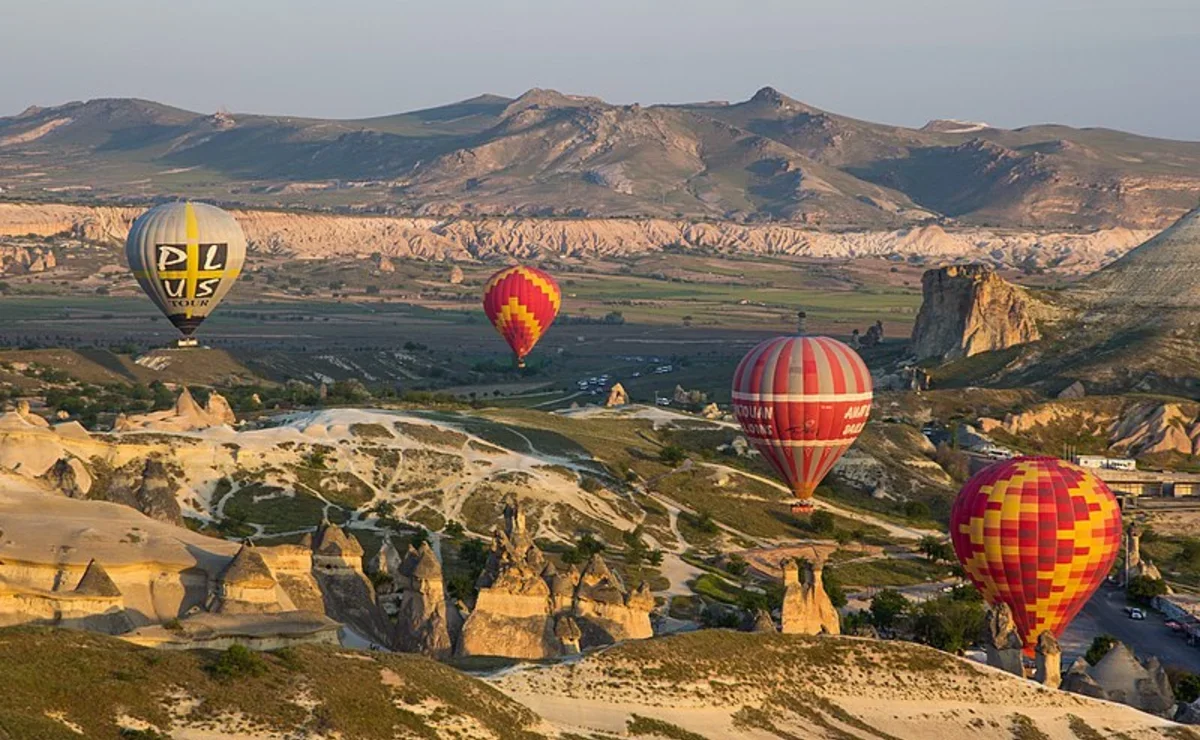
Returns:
<point x="601" y="693"/>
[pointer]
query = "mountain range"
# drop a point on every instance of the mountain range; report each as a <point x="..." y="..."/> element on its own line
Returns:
<point x="547" y="154"/>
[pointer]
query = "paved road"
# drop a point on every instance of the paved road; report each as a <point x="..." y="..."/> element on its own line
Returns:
<point x="1105" y="614"/>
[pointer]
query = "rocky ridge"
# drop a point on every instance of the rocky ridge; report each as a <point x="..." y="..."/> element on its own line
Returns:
<point x="312" y="235"/>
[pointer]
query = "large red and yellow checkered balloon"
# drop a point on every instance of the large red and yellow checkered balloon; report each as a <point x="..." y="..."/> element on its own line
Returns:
<point x="521" y="302"/>
<point x="1038" y="534"/>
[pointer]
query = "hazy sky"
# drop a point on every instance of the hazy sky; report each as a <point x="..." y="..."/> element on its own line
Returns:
<point x="1130" y="64"/>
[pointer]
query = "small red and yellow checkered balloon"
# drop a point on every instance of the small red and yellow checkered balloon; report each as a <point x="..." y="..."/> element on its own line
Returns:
<point x="521" y="302"/>
<point x="1038" y="534"/>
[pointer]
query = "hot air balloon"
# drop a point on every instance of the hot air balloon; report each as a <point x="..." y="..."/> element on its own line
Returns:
<point x="802" y="401"/>
<point x="186" y="257"/>
<point x="1038" y="534"/>
<point x="521" y="302"/>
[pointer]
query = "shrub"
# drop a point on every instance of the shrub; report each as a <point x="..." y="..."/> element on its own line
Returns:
<point x="590" y="484"/>
<point x="672" y="455"/>
<point x="1187" y="688"/>
<point x="239" y="662"/>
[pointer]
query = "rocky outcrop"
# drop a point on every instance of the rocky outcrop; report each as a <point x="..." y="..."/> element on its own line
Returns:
<point x="522" y="600"/>
<point x="616" y="396"/>
<point x="762" y="622"/>
<point x="20" y="260"/>
<point x="346" y="591"/>
<point x="246" y="586"/>
<point x="185" y="416"/>
<point x="1048" y="670"/>
<point x="456" y="275"/>
<point x="422" y="625"/>
<point x="807" y="609"/>
<point x="1119" y="676"/>
<point x="966" y="310"/>
<point x="1151" y="428"/>
<point x="1135" y="564"/>
<point x="70" y="476"/>
<point x="1002" y="642"/>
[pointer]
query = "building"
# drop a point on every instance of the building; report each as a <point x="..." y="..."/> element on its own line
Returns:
<point x="1099" y="462"/>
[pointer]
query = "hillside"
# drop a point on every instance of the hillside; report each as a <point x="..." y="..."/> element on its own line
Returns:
<point x="704" y="685"/>
<point x="547" y="154"/>
<point x="720" y="684"/>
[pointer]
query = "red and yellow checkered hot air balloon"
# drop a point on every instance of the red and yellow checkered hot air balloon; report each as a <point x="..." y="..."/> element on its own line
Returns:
<point x="521" y="302"/>
<point x="1038" y="534"/>
<point x="802" y="401"/>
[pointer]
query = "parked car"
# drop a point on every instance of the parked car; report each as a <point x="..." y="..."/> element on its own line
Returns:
<point x="1173" y="625"/>
<point x="1137" y="614"/>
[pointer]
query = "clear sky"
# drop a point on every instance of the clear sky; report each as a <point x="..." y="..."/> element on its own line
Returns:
<point x="1129" y="64"/>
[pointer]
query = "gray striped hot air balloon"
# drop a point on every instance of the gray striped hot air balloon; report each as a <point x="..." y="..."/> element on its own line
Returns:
<point x="186" y="257"/>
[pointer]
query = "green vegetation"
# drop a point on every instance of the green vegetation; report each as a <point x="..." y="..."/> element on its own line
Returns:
<point x="1142" y="589"/>
<point x="647" y="726"/>
<point x="1100" y="646"/>
<point x="1024" y="728"/>
<point x="238" y="662"/>
<point x="42" y="671"/>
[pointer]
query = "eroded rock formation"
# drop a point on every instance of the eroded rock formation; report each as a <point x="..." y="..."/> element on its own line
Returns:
<point x="616" y="396"/>
<point x="1002" y="642"/>
<point x="1048" y="671"/>
<point x="1119" y="676"/>
<point x="523" y="599"/>
<point x="807" y="609"/>
<point x="422" y="622"/>
<point x="969" y="309"/>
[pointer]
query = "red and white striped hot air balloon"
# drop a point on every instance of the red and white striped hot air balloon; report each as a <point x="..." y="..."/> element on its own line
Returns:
<point x="802" y="401"/>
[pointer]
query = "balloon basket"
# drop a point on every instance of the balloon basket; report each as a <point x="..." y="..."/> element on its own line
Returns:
<point x="802" y="509"/>
<point x="186" y="342"/>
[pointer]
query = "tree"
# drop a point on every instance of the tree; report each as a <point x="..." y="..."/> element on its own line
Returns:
<point x="935" y="549"/>
<point x="821" y="522"/>
<point x="453" y="529"/>
<point x="947" y="624"/>
<point x="916" y="510"/>
<point x="705" y="523"/>
<point x="833" y="588"/>
<point x="1100" y="646"/>
<point x="672" y="455"/>
<point x="886" y="606"/>
<point x="1143" y="589"/>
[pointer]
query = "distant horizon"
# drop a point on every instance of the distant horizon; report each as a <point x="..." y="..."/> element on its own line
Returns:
<point x="1083" y="63"/>
<point x="704" y="101"/>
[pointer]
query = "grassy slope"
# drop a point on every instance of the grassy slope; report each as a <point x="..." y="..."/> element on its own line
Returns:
<point x="92" y="679"/>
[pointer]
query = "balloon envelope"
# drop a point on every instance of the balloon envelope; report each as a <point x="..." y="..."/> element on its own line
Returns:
<point x="186" y="257"/>
<point x="521" y="302"/>
<point x="802" y="401"/>
<point x="1038" y="534"/>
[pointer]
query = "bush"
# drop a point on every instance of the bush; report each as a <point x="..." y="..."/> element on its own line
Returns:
<point x="453" y="529"/>
<point x="737" y="565"/>
<point x="239" y="662"/>
<point x="1100" y="646"/>
<point x="916" y="510"/>
<point x="1187" y="688"/>
<point x="590" y="484"/>
<point x="672" y="455"/>
<point x="705" y="523"/>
